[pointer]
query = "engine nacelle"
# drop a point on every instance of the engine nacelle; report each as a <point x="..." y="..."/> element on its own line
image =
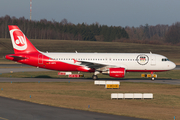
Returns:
<point x="117" y="72"/>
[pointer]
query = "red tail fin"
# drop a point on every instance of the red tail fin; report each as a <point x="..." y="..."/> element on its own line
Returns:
<point x="19" y="41"/>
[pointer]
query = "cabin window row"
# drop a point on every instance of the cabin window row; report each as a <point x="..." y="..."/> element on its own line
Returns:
<point x="165" y="59"/>
<point x="94" y="59"/>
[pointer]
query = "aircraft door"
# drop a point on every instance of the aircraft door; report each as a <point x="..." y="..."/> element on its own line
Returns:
<point x="153" y="60"/>
<point x="40" y="59"/>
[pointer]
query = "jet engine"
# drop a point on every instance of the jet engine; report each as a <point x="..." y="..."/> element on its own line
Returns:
<point x="116" y="72"/>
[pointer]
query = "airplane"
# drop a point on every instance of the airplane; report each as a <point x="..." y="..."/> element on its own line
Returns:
<point x="113" y="64"/>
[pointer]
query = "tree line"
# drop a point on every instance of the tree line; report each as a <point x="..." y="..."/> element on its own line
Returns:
<point x="159" y="34"/>
<point x="64" y="30"/>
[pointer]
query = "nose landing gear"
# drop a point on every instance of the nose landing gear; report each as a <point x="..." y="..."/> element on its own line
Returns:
<point x="152" y="76"/>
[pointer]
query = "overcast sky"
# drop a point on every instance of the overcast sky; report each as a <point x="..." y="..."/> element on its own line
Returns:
<point x="105" y="12"/>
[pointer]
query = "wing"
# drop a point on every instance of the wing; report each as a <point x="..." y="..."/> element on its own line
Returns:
<point x="96" y="66"/>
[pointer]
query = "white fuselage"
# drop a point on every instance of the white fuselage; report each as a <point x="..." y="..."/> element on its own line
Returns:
<point x="130" y="61"/>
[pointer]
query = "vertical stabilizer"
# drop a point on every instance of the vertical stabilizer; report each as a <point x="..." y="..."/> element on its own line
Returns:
<point x="20" y="42"/>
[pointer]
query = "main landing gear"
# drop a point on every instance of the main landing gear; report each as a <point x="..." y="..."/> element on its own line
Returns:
<point x="95" y="77"/>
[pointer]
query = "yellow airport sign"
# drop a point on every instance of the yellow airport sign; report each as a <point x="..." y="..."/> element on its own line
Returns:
<point x="149" y="75"/>
<point x="143" y="75"/>
<point x="154" y="75"/>
<point x="112" y="86"/>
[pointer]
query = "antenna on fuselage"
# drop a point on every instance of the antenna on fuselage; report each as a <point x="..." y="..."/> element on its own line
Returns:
<point x="150" y="52"/>
<point x="76" y="52"/>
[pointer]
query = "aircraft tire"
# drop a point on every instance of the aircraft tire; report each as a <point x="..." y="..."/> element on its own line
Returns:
<point x="94" y="77"/>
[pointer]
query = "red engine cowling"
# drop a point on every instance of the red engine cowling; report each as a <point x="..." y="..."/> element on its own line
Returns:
<point x="117" y="72"/>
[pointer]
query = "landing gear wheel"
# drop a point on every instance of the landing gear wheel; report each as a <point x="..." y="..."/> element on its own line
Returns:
<point x="94" y="77"/>
<point x="152" y="79"/>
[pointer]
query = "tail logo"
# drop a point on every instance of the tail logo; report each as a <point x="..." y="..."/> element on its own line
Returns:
<point x="18" y="39"/>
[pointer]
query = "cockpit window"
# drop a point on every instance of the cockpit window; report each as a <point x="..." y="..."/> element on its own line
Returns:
<point x="165" y="59"/>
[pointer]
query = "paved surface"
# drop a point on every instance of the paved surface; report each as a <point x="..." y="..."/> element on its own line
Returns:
<point x="41" y="80"/>
<point x="25" y="68"/>
<point x="20" y="110"/>
<point x="177" y="67"/>
<point x="14" y="65"/>
<point x="8" y="70"/>
<point x="162" y="81"/>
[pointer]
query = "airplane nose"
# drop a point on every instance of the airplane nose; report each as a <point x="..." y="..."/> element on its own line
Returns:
<point x="172" y="65"/>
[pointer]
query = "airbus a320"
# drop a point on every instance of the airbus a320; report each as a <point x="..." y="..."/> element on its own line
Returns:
<point x="112" y="64"/>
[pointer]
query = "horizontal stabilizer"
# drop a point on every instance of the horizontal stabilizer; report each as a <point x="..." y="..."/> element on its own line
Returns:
<point x="15" y="57"/>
